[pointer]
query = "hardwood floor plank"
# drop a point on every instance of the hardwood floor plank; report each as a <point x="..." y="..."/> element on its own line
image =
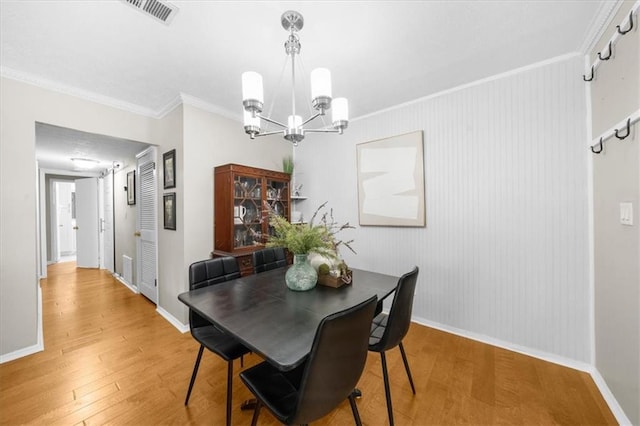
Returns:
<point x="110" y="358"/>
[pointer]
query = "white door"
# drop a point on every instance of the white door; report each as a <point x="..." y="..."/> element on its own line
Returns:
<point x="87" y="244"/>
<point x="147" y="234"/>
<point x="66" y="240"/>
<point x="107" y="223"/>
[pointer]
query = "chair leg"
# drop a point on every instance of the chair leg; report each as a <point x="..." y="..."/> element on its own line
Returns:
<point x="229" y="390"/>
<point x="193" y="375"/>
<point x="354" y="409"/>
<point x="256" y="413"/>
<point x="406" y="367"/>
<point x="387" y="389"/>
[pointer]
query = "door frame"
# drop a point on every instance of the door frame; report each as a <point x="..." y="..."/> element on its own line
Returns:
<point x="45" y="219"/>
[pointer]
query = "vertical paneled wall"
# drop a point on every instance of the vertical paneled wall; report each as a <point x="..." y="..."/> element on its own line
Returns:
<point x="505" y="251"/>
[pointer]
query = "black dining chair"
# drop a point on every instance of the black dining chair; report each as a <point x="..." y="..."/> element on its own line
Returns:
<point x="268" y="258"/>
<point x="387" y="331"/>
<point x="202" y="274"/>
<point x="326" y="378"/>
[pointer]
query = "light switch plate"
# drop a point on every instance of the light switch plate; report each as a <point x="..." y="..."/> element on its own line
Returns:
<point x="626" y="214"/>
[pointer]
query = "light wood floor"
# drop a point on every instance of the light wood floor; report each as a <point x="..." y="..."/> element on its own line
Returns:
<point x="110" y="358"/>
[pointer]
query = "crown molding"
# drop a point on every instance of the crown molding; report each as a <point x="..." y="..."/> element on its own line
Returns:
<point x="464" y="86"/>
<point x="180" y="99"/>
<point x="599" y="24"/>
<point x="64" y="89"/>
<point x="206" y="106"/>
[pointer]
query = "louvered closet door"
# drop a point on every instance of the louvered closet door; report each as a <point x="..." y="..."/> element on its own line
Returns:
<point x="146" y="246"/>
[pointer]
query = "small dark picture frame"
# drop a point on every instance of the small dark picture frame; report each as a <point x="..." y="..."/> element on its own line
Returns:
<point x="131" y="188"/>
<point x="169" y="208"/>
<point x="169" y="169"/>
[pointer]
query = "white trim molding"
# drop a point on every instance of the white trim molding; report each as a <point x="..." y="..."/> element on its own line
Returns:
<point x="46" y="84"/>
<point x="555" y="359"/>
<point x="182" y="328"/>
<point x="125" y="283"/>
<point x="617" y="411"/>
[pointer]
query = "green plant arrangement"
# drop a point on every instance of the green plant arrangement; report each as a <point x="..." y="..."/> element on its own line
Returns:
<point x="299" y="238"/>
<point x="287" y="165"/>
<point x="304" y="238"/>
<point x="318" y="240"/>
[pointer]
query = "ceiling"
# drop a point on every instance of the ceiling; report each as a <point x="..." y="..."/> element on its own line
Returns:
<point x="56" y="146"/>
<point x="380" y="53"/>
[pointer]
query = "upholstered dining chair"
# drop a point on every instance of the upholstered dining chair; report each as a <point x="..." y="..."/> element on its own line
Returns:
<point x="388" y="330"/>
<point x="268" y="258"/>
<point x="201" y="274"/>
<point x="326" y="378"/>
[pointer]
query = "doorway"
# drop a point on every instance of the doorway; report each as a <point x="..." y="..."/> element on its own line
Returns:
<point x="65" y="221"/>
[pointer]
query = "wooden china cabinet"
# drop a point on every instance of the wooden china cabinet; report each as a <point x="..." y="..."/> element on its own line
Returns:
<point x="241" y="224"/>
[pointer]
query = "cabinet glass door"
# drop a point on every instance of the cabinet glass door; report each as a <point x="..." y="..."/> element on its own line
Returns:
<point x="277" y="199"/>
<point x="247" y="211"/>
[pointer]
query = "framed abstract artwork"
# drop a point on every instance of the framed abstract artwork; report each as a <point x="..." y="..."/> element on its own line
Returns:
<point x="391" y="181"/>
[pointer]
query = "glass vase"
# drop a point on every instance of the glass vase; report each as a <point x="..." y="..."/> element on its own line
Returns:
<point x="301" y="276"/>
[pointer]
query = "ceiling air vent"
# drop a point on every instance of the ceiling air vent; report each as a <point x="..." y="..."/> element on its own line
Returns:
<point x="161" y="10"/>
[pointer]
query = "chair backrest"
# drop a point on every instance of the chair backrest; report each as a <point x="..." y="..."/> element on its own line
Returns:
<point x="209" y="272"/>
<point x="335" y="363"/>
<point x="268" y="258"/>
<point x="400" y="313"/>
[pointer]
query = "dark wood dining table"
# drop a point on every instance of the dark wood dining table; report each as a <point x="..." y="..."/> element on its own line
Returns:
<point x="277" y="323"/>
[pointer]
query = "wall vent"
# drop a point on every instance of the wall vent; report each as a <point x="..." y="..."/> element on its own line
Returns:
<point x="158" y="9"/>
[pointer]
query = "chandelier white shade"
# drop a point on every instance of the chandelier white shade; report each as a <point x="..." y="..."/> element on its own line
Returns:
<point x="321" y="95"/>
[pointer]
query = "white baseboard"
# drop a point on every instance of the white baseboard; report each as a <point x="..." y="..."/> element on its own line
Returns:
<point x="125" y="283"/>
<point x="556" y="359"/>
<point x="172" y="320"/>
<point x="546" y="356"/>
<point x="617" y="411"/>
<point x="30" y="350"/>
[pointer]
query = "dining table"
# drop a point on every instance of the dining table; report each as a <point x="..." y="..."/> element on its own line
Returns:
<point x="275" y="322"/>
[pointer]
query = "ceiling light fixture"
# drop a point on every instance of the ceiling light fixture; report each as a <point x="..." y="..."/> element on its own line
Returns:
<point x="84" y="163"/>
<point x="293" y="131"/>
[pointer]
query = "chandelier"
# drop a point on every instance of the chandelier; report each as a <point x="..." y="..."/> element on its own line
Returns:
<point x="294" y="131"/>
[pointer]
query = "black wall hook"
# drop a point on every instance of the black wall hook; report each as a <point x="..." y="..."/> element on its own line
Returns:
<point x="623" y="32"/>
<point x="605" y="58"/>
<point x="584" y="77"/>
<point x="628" y="130"/>
<point x="600" y="145"/>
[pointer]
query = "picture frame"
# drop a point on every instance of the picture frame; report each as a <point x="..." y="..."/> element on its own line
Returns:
<point x="391" y="181"/>
<point x="169" y="208"/>
<point x="131" y="188"/>
<point x="169" y="169"/>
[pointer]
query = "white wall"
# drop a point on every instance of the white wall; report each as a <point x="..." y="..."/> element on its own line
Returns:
<point x="169" y="135"/>
<point x="209" y="141"/>
<point x="21" y="106"/>
<point x="505" y="251"/>
<point x="615" y="95"/>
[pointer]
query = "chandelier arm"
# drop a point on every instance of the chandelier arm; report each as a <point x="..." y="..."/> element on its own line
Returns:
<point x="274" y="132"/>
<point x="323" y="131"/>
<point x="312" y="118"/>
<point x="272" y="121"/>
